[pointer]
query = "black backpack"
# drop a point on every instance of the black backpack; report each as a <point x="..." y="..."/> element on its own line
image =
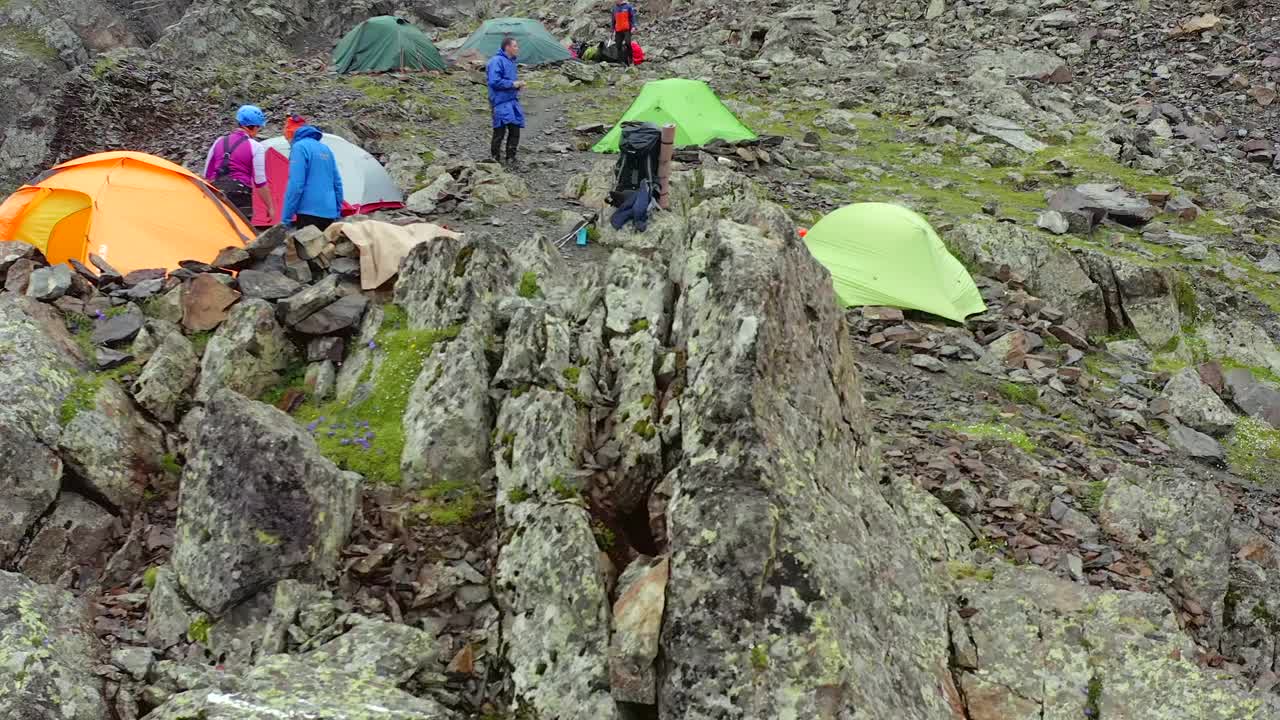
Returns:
<point x="637" y="160"/>
<point x="222" y="179"/>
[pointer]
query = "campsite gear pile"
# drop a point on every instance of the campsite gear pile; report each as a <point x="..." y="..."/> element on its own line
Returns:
<point x="635" y="189"/>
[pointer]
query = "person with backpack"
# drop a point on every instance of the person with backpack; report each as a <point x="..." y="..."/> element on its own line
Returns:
<point x="237" y="163"/>
<point x="314" y="194"/>
<point x="624" y="23"/>
<point x="504" y="98"/>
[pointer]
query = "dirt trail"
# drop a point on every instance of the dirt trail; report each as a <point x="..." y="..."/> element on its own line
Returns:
<point x="543" y="170"/>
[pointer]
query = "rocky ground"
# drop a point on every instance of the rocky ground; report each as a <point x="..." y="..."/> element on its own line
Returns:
<point x="662" y="476"/>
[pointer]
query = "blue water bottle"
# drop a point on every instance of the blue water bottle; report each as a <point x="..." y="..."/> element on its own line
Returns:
<point x="582" y="235"/>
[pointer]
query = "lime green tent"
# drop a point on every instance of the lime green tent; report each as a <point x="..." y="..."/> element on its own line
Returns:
<point x="386" y="43"/>
<point x="882" y="254"/>
<point x="698" y="114"/>
<point x="537" y="46"/>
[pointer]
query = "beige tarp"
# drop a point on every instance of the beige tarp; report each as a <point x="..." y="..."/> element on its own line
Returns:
<point x="383" y="245"/>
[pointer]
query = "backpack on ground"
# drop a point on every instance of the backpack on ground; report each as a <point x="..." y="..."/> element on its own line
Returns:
<point x="638" y="152"/>
<point x="222" y="179"/>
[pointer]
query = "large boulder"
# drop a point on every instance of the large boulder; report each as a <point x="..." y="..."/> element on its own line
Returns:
<point x="247" y="353"/>
<point x="1197" y="405"/>
<point x="36" y="376"/>
<point x="1242" y="341"/>
<point x="1036" y="646"/>
<point x="48" y="654"/>
<point x="1258" y="399"/>
<point x="777" y="490"/>
<point x="112" y="448"/>
<point x="446" y="281"/>
<point x="1138" y="297"/>
<point x="449" y="417"/>
<point x="1050" y="271"/>
<point x="258" y="503"/>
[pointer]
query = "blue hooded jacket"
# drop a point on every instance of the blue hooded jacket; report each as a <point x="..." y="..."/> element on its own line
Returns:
<point x="315" y="187"/>
<point x="504" y="98"/>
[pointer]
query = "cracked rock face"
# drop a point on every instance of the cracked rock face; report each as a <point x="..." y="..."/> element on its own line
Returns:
<point x="774" y="437"/>
<point x="35" y="378"/>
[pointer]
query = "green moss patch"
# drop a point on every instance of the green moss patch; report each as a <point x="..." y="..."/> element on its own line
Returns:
<point x="1018" y="393"/>
<point x="966" y="571"/>
<point x="448" y="503"/>
<point x="529" y="285"/>
<point x="81" y="398"/>
<point x="563" y="488"/>
<point x="368" y="437"/>
<point x="198" y="630"/>
<point x="993" y="431"/>
<point x="1253" y="450"/>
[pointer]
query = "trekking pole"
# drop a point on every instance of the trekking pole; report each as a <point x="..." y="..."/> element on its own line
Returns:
<point x="664" y="165"/>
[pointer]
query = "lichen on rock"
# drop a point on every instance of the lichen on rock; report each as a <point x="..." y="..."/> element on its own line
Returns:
<point x="256" y="471"/>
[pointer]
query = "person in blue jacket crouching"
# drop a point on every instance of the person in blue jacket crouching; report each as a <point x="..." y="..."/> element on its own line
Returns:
<point x="504" y="98"/>
<point x="314" y="193"/>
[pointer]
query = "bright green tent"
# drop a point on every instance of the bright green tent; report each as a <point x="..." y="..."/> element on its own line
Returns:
<point x="697" y="113"/>
<point x="882" y="254"/>
<point x="537" y="47"/>
<point x="386" y="43"/>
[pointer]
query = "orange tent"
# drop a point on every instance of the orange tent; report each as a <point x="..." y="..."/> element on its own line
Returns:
<point x="131" y="209"/>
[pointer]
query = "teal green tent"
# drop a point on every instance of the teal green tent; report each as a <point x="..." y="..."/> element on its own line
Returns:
<point x="882" y="254"/>
<point x="386" y="43"/>
<point x="697" y="113"/>
<point x="537" y="47"/>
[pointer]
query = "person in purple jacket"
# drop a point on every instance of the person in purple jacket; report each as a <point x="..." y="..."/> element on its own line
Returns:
<point x="237" y="164"/>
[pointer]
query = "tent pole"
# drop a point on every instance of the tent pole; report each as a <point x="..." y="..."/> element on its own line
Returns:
<point x="666" y="150"/>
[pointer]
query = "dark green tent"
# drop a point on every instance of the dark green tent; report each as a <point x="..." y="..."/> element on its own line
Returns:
<point x="386" y="43"/>
<point x="537" y="47"/>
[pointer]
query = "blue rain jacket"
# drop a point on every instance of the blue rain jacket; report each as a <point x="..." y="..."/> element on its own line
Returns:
<point x="504" y="98"/>
<point x="315" y="186"/>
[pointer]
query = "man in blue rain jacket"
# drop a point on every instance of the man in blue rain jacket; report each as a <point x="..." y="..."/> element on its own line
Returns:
<point x="504" y="98"/>
<point x="314" y="192"/>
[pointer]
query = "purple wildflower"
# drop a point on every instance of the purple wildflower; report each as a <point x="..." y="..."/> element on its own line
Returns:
<point x="331" y="433"/>
<point x="344" y="441"/>
<point x="373" y="345"/>
<point x="311" y="426"/>
<point x="100" y="315"/>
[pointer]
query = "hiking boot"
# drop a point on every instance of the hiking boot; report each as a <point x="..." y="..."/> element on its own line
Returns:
<point x="513" y="165"/>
